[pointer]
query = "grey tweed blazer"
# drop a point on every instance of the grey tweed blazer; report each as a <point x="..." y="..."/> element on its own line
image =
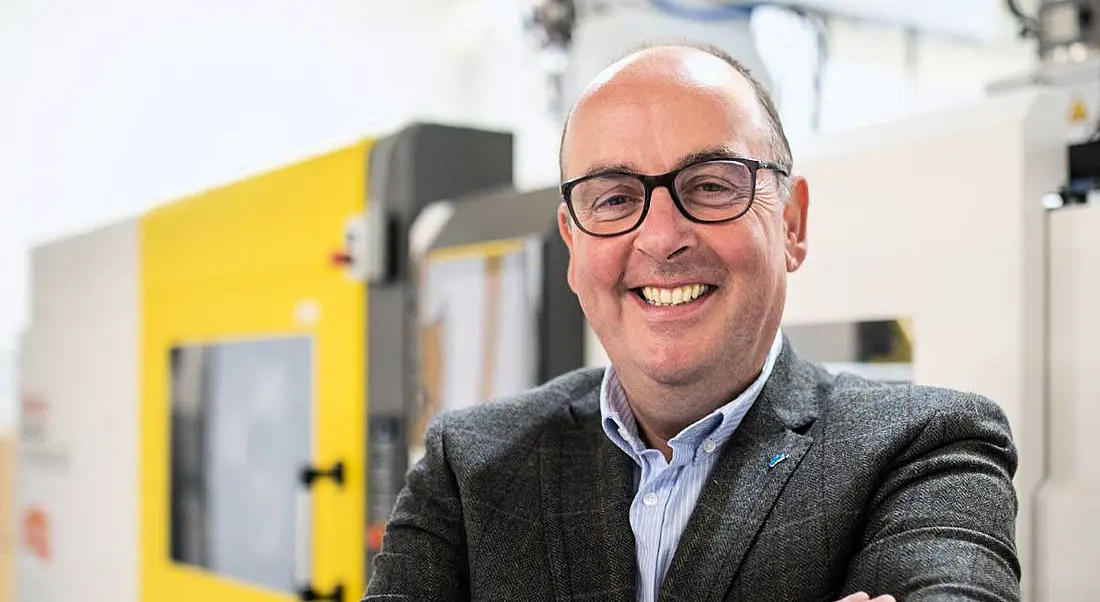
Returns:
<point x="887" y="489"/>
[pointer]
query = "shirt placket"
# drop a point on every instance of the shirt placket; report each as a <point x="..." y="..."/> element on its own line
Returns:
<point x="651" y="508"/>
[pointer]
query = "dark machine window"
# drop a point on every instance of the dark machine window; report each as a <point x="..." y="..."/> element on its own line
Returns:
<point x="241" y="432"/>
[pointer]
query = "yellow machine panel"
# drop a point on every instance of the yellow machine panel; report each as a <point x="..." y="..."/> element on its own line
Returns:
<point x="254" y="348"/>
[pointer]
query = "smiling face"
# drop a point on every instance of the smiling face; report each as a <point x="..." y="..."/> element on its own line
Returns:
<point x="677" y="303"/>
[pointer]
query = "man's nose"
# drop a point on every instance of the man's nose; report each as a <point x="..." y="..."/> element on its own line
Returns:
<point x="665" y="232"/>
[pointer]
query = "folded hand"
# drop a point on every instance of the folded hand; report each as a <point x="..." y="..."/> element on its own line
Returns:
<point x="862" y="597"/>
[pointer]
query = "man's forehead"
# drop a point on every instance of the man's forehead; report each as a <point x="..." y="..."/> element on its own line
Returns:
<point x="595" y="164"/>
<point x="656" y="145"/>
<point x="656" y="138"/>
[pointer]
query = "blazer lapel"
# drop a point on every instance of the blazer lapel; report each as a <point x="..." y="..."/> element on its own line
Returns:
<point x="757" y="461"/>
<point x="587" y="489"/>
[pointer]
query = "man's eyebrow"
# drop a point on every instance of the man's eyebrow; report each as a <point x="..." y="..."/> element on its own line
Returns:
<point x="717" y="152"/>
<point x="602" y="168"/>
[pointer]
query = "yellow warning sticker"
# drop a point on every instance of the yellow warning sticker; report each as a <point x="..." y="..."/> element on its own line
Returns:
<point x="1077" y="111"/>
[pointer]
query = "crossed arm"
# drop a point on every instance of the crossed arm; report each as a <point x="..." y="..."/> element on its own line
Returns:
<point x="941" y="525"/>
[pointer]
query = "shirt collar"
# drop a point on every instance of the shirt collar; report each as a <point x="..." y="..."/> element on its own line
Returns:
<point x="712" y="430"/>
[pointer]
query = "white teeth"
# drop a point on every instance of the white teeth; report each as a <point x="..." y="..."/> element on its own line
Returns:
<point x="674" y="296"/>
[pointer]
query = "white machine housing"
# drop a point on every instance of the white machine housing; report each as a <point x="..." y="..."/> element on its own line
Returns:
<point x="78" y="449"/>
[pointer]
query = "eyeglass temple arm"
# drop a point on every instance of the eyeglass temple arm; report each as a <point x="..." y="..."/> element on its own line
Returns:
<point x="774" y="167"/>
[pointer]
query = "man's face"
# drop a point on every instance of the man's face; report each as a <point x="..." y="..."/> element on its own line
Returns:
<point x="648" y="115"/>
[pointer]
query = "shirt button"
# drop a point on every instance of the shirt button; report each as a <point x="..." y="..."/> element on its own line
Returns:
<point x="709" y="446"/>
<point x="649" y="499"/>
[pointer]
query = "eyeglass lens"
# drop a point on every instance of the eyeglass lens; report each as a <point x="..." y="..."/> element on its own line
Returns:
<point x="712" y="191"/>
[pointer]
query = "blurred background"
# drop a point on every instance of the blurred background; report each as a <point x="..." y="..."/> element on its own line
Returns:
<point x="248" y="249"/>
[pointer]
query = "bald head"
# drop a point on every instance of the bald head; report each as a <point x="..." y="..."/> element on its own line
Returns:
<point x="657" y="73"/>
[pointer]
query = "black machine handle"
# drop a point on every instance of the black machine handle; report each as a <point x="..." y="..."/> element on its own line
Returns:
<point x="308" y="594"/>
<point x="311" y="474"/>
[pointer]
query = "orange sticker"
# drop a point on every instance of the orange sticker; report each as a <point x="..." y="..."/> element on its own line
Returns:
<point x="36" y="533"/>
<point x="375" y="531"/>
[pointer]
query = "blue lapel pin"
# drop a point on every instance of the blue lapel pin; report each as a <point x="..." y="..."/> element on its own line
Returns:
<point x="776" y="459"/>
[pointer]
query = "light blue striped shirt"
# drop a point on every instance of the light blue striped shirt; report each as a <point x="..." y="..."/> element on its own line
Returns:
<point x="665" y="493"/>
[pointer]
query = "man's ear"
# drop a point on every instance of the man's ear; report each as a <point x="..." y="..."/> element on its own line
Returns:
<point x="795" y="215"/>
<point x="566" y="229"/>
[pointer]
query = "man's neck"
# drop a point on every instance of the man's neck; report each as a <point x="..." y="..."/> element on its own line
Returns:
<point x="662" y="412"/>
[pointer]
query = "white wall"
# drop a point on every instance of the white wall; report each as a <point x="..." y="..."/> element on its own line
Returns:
<point x="110" y="107"/>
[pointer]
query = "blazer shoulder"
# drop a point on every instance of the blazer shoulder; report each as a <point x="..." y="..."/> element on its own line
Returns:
<point x="915" y="407"/>
<point x="527" y="408"/>
<point x="963" y="415"/>
<point x="871" y="429"/>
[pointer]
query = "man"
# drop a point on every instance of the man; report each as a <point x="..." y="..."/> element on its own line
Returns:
<point x="709" y="462"/>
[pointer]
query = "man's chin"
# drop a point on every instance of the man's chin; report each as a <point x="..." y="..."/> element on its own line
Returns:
<point x="675" y="374"/>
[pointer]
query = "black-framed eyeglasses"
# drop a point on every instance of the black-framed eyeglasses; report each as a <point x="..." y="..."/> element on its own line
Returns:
<point x="710" y="191"/>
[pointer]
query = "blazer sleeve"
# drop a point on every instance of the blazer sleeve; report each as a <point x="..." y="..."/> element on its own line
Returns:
<point x="941" y="523"/>
<point x="423" y="555"/>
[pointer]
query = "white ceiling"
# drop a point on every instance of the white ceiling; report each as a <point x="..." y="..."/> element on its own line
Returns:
<point x="977" y="20"/>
